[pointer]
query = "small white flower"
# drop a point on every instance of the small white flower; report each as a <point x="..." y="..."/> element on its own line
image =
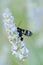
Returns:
<point x="14" y="52"/>
<point x="12" y="37"/>
<point x="20" y="56"/>
<point x="22" y="44"/>
<point x="14" y="47"/>
<point x="4" y="15"/>
<point x="11" y="18"/>
<point x="14" y="29"/>
<point x="27" y="51"/>
<point x="24" y="51"/>
<point x="7" y="10"/>
<point x="9" y="32"/>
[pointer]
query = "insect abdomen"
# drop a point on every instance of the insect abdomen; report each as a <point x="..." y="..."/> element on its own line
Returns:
<point x="27" y="33"/>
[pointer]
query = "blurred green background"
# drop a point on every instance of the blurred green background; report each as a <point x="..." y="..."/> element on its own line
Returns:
<point x="28" y="14"/>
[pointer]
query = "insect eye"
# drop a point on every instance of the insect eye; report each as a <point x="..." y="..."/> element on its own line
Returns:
<point x="19" y="29"/>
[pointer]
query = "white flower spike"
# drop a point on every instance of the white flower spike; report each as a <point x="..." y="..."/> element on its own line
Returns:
<point x="18" y="46"/>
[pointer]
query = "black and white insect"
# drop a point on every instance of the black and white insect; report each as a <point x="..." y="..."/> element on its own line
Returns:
<point x="23" y="32"/>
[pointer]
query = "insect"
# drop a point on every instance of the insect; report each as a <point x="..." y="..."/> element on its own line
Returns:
<point x="23" y="32"/>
